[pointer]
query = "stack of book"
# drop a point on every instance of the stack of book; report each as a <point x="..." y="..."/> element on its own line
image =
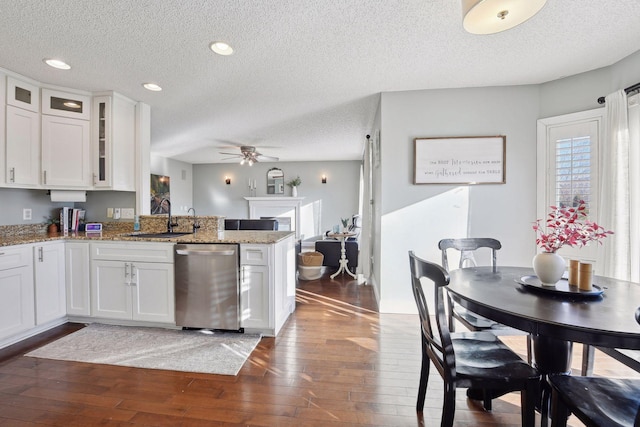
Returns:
<point x="70" y="219"/>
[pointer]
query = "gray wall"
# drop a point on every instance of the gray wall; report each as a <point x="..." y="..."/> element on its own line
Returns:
<point x="323" y="204"/>
<point x="181" y="175"/>
<point x="416" y="217"/>
<point x="13" y="200"/>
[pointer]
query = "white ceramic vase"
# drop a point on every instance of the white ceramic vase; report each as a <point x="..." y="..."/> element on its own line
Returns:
<point x="294" y="191"/>
<point x="549" y="267"/>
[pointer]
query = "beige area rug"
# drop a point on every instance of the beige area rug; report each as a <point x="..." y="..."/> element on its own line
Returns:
<point x="209" y="352"/>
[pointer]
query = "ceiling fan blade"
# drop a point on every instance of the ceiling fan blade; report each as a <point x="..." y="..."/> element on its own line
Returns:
<point x="263" y="157"/>
<point x="231" y="154"/>
<point x="230" y="158"/>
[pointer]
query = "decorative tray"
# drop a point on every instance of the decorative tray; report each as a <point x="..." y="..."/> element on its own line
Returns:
<point x="561" y="288"/>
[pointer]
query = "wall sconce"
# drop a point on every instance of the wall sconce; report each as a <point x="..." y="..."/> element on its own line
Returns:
<point x="227" y="180"/>
<point x="324" y="179"/>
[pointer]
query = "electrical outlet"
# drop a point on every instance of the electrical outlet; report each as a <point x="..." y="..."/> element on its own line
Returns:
<point x="26" y="214"/>
<point x="127" y="213"/>
<point x="116" y="213"/>
<point x="109" y="212"/>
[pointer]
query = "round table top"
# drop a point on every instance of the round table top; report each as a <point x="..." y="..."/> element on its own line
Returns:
<point x="607" y="321"/>
<point x="342" y="235"/>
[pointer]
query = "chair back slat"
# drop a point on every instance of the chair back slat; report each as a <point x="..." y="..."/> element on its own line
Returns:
<point x="467" y="247"/>
<point x="436" y="337"/>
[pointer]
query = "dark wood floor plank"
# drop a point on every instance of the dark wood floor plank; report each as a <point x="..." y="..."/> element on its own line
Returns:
<point x="337" y="362"/>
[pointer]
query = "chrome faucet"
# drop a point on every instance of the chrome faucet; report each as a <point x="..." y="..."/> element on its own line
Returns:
<point x="195" y="220"/>
<point x="170" y="223"/>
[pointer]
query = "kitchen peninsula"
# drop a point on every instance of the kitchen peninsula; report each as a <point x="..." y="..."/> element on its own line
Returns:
<point x="117" y="277"/>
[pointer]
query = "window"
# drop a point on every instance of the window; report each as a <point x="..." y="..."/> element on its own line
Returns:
<point x="568" y="167"/>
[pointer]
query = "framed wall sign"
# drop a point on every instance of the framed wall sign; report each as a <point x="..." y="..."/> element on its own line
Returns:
<point x="460" y="160"/>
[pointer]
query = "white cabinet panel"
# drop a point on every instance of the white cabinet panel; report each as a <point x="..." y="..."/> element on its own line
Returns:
<point x="64" y="104"/>
<point x="255" y="297"/>
<point x="22" y="147"/>
<point x="49" y="268"/>
<point x="77" y="278"/>
<point x="16" y="291"/>
<point x="66" y="158"/>
<point x="110" y="289"/>
<point x="153" y="292"/>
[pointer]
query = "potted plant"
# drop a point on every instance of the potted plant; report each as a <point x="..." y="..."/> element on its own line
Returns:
<point x="564" y="226"/>
<point x="345" y="224"/>
<point x="294" y="185"/>
<point x="52" y="223"/>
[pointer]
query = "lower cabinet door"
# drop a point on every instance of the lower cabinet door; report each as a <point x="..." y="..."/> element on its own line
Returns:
<point x="49" y="271"/>
<point x="254" y="297"/>
<point x="16" y="305"/>
<point x="153" y="292"/>
<point x="111" y="289"/>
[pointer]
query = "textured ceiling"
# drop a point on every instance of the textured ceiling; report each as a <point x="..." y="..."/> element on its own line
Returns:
<point x="304" y="78"/>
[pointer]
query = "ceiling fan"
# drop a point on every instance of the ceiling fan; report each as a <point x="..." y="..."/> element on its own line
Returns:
<point x="248" y="154"/>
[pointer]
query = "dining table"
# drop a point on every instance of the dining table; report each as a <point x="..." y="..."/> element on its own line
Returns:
<point x="555" y="316"/>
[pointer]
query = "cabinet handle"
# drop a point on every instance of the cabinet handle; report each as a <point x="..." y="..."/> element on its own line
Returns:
<point x="12" y="175"/>
<point x="126" y="274"/>
<point x="40" y="254"/>
<point x="242" y="270"/>
<point x="94" y="179"/>
<point x="45" y="176"/>
<point x="134" y="279"/>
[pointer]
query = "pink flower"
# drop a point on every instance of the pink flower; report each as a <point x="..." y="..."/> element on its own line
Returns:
<point x="568" y="226"/>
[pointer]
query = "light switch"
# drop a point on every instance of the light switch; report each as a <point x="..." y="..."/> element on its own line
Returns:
<point x="109" y="212"/>
<point x="26" y="214"/>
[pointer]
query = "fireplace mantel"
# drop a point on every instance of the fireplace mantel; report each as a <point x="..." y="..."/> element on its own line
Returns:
<point x="288" y="207"/>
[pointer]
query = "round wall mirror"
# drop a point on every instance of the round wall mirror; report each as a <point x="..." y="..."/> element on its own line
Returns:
<point x="275" y="181"/>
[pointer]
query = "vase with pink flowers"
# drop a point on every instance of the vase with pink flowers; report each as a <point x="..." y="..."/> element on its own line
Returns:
<point x="568" y="226"/>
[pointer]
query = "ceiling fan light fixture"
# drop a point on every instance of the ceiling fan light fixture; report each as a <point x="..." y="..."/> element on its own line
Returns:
<point x="494" y="16"/>
<point x="221" y="48"/>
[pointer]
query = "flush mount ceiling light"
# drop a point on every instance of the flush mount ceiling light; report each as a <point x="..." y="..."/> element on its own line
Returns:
<point x="56" y="63"/>
<point x="152" y="86"/>
<point x="221" y="48"/>
<point x="494" y="16"/>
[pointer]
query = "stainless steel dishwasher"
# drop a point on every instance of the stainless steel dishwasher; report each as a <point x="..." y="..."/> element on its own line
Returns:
<point x="207" y="286"/>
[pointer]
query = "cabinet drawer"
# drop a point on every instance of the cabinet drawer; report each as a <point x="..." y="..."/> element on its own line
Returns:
<point x="15" y="256"/>
<point x="134" y="251"/>
<point x="254" y="255"/>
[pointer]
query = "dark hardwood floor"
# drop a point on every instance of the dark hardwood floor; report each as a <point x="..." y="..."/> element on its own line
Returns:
<point x="337" y="362"/>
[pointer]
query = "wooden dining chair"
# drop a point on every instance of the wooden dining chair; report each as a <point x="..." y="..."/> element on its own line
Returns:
<point x="596" y="401"/>
<point x="477" y="360"/>
<point x="473" y="321"/>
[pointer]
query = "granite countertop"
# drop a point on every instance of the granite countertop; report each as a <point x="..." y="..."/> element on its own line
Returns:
<point x="256" y="237"/>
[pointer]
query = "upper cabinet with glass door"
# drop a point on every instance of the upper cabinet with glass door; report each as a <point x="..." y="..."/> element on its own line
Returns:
<point x="23" y="95"/>
<point x="113" y="141"/>
<point x="64" y="104"/>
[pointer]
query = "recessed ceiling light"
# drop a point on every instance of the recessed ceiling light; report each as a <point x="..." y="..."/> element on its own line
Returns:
<point x="221" y="48"/>
<point x="152" y="86"/>
<point x="56" y="63"/>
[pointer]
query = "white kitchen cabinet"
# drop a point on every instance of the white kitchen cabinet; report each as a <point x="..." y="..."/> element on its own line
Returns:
<point x="65" y="104"/>
<point x="66" y="153"/>
<point x="113" y="141"/>
<point x="133" y="281"/>
<point x="77" y="278"/>
<point x="23" y="95"/>
<point x="49" y="276"/>
<point x="22" y="163"/>
<point x="267" y="288"/>
<point x="16" y="288"/>
<point x="3" y="121"/>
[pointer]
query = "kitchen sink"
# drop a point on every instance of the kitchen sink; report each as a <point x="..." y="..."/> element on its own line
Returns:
<point x="164" y="235"/>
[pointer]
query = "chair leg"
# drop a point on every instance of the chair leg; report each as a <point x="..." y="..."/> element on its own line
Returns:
<point x="528" y="404"/>
<point x="424" y="378"/>
<point x="587" y="360"/>
<point x="449" y="406"/>
<point x="529" y="349"/>
<point x="559" y="411"/>
<point x="486" y="399"/>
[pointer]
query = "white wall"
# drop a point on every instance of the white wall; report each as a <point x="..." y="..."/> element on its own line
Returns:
<point x="323" y="206"/>
<point x="181" y="189"/>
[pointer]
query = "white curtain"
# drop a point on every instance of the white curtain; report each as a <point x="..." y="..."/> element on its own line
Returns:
<point x="616" y="190"/>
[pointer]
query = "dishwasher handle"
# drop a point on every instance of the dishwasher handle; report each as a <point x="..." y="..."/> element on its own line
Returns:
<point x="205" y="253"/>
